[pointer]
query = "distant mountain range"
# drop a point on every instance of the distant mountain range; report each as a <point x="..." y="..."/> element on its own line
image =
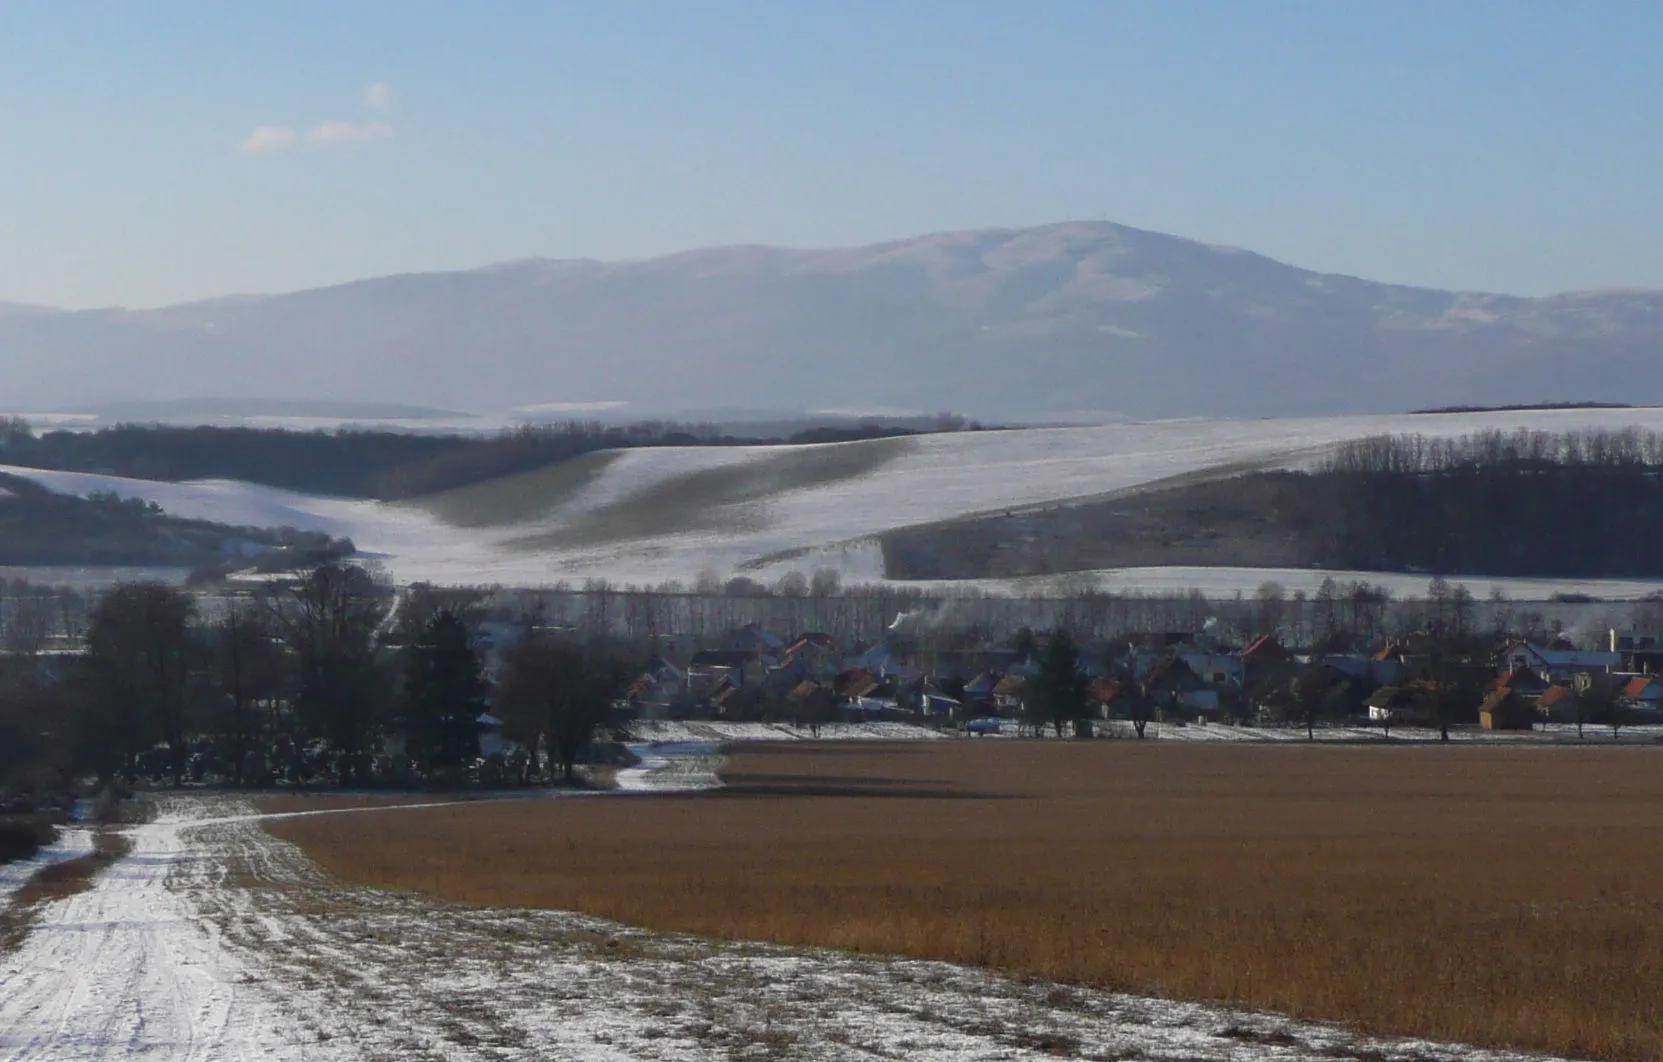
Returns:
<point x="996" y="323"/>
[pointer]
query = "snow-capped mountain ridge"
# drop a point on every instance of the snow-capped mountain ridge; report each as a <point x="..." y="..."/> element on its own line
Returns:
<point x="997" y="322"/>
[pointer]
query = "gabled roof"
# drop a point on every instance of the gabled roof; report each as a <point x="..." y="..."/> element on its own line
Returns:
<point x="1104" y="689"/>
<point x="813" y="640"/>
<point x="803" y="690"/>
<point x="1523" y="680"/>
<point x="1394" y="696"/>
<point x="1383" y="697"/>
<point x="1554" y="695"/>
<point x="856" y="682"/>
<point x="1266" y="647"/>
<point x="982" y="685"/>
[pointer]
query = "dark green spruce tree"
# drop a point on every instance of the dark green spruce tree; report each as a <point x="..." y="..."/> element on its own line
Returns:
<point x="1057" y="693"/>
<point x="444" y="695"/>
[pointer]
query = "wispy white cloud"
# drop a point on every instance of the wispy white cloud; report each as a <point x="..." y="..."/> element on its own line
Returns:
<point x="268" y="138"/>
<point x="349" y="132"/>
<point x="378" y="98"/>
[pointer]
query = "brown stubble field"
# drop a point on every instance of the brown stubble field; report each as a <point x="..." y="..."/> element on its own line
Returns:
<point x="1493" y="896"/>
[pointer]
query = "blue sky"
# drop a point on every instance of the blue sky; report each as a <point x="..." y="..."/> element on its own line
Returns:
<point x="1497" y="146"/>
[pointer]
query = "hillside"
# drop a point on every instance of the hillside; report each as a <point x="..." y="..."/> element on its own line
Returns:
<point x="648" y="515"/>
<point x="1505" y="521"/>
<point x="1000" y="323"/>
<point x="39" y="527"/>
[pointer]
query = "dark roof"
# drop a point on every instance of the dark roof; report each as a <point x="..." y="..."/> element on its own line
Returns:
<point x="1173" y="668"/>
<point x="1268" y="648"/>
<point x="722" y="658"/>
<point x="1523" y="680"/>
<point x="1392" y="696"/>
<point x="1010" y="686"/>
<point x="856" y="682"/>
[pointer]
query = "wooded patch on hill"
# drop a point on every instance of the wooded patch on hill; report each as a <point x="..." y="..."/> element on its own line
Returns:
<point x="1525" y="505"/>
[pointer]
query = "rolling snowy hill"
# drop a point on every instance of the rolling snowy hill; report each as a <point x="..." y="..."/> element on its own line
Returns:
<point x="999" y="323"/>
<point x="649" y="515"/>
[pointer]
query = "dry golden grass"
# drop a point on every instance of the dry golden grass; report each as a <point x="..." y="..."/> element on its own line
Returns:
<point x="58" y="881"/>
<point x="1493" y="896"/>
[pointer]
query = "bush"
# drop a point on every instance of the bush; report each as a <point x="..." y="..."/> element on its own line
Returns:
<point x="22" y="835"/>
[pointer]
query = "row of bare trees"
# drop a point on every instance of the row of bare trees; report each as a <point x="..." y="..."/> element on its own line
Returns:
<point x="319" y="680"/>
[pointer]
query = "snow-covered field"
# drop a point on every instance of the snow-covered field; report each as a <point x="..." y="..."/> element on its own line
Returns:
<point x="649" y="515"/>
<point x="214" y="941"/>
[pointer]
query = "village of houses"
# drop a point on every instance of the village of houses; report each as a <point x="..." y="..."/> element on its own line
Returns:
<point x="1175" y="680"/>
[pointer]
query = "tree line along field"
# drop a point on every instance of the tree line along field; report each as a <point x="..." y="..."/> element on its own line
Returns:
<point x="1500" y="897"/>
<point x="1485" y="504"/>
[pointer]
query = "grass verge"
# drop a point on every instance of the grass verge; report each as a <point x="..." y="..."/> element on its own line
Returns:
<point x="58" y="881"/>
<point x="22" y="835"/>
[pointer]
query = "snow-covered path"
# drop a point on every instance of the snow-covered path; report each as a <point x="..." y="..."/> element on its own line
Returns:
<point x="127" y="970"/>
<point x="213" y="940"/>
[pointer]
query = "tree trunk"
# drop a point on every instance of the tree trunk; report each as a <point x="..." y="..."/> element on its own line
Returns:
<point x="1138" y="725"/>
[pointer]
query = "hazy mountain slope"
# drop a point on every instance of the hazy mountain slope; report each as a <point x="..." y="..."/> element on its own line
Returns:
<point x="1065" y="317"/>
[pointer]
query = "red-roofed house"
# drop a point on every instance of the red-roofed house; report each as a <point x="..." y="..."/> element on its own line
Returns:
<point x="1557" y="703"/>
<point x="1643" y="696"/>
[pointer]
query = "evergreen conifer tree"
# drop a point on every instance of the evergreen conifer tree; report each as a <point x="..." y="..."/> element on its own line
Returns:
<point x="444" y="694"/>
<point x="1057" y="694"/>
